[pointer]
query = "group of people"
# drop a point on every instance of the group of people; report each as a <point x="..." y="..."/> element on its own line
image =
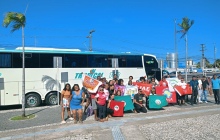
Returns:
<point x="100" y="101"/>
<point x="201" y="86"/>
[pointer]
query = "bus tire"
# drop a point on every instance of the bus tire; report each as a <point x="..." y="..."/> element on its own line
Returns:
<point x="51" y="98"/>
<point x="32" y="100"/>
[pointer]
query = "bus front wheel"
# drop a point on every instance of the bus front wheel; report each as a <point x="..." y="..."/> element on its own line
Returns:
<point x="32" y="100"/>
<point x="51" y="98"/>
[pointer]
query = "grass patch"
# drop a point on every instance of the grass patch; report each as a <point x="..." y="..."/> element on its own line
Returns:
<point x="27" y="117"/>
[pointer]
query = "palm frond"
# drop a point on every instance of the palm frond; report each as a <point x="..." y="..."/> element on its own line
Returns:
<point x="185" y="26"/>
<point x="15" y="19"/>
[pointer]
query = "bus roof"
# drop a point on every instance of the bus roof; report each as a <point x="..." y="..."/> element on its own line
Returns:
<point x="69" y="51"/>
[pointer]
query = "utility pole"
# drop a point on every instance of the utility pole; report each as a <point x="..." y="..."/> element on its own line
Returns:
<point x="175" y="46"/>
<point x="90" y="46"/>
<point x="203" y="57"/>
<point x="214" y="54"/>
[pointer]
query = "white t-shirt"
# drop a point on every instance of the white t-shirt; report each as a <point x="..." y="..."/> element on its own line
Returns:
<point x="106" y="93"/>
<point x="200" y="84"/>
<point x="181" y="84"/>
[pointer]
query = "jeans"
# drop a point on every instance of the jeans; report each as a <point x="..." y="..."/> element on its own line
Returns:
<point x="205" y="94"/>
<point x="102" y="111"/>
<point x="139" y="109"/>
<point x="194" y="96"/>
<point x="216" y="95"/>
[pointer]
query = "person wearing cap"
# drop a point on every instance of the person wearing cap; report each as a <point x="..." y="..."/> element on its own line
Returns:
<point x="138" y="102"/>
<point x="153" y="92"/>
<point x="142" y="79"/>
<point x="194" y="87"/>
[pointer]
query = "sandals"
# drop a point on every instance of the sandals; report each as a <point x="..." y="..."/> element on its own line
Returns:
<point x="75" y="122"/>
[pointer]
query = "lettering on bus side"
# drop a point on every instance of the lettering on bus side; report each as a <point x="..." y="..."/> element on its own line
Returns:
<point x="92" y="74"/>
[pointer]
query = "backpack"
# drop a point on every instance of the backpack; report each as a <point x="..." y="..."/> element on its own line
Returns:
<point x="89" y="111"/>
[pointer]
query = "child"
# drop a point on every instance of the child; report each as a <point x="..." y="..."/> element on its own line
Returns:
<point x="118" y="93"/>
<point x="109" y="110"/>
<point x="100" y="98"/>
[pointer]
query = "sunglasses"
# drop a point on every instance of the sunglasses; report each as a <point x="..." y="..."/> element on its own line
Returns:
<point x="101" y="90"/>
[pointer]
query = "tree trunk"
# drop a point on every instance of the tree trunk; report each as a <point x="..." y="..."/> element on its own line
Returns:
<point x="23" y="77"/>
<point x="186" y="58"/>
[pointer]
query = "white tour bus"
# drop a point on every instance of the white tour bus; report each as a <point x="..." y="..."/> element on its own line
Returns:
<point x="47" y="70"/>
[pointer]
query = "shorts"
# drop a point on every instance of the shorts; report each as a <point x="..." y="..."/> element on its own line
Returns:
<point x="66" y="103"/>
<point x="94" y="104"/>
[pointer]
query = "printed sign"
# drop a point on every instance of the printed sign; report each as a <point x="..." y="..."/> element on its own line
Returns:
<point x="121" y="88"/>
<point x="90" y="83"/>
<point x="183" y="90"/>
<point x="131" y="90"/>
<point x="170" y="96"/>
<point x="146" y="88"/>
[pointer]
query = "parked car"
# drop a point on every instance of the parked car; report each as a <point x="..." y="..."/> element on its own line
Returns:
<point x="209" y="71"/>
<point x="174" y="72"/>
<point x="193" y="71"/>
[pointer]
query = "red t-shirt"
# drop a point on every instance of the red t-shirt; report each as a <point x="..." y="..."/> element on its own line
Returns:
<point x="163" y="83"/>
<point x="101" y="98"/>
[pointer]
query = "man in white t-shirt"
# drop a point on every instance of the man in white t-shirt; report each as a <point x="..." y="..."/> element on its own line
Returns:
<point x="199" y="89"/>
<point x="182" y="98"/>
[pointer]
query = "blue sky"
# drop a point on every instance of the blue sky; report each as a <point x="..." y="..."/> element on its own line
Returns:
<point x="141" y="26"/>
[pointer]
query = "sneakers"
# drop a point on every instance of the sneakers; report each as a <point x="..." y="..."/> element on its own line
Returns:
<point x="71" y="119"/>
<point x="206" y="102"/>
<point x="63" y="122"/>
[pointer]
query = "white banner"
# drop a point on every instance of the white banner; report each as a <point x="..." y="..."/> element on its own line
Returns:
<point x="172" y="82"/>
<point x="131" y="90"/>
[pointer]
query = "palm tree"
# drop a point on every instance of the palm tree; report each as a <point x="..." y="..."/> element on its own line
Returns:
<point x="18" y="21"/>
<point x="185" y="26"/>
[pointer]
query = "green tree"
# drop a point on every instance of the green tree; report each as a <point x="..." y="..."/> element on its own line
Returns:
<point x="17" y="21"/>
<point x="198" y="65"/>
<point x="217" y="63"/>
<point x="185" y="26"/>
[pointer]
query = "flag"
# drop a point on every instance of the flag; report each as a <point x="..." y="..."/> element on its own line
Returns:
<point x="128" y="102"/>
<point x="170" y="96"/>
<point x="146" y="88"/>
<point x="183" y="90"/>
<point x="131" y="90"/>
<point x="121" y="88"/>
<point x="90" y="83"/>
<point x="118" y="108"/>
<point x="172" y="82"/>
<point x="157" y="101"/>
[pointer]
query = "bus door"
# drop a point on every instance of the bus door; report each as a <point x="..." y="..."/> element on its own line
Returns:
<point x="2" y="92"/>
<point x="115" y="66"/>
<point x="11" y="93"/>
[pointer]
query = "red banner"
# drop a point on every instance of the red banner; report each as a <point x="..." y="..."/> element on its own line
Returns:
<point x="183" y="90"/>
<point x="170" y="96"/>
<point x="146" y="88"/>
<point x="118" y="108"/>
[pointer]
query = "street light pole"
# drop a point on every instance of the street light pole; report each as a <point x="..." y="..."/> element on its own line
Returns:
<point x="175" y="47"/>
<point x="214" y="54"/>
<point x="90" y="45"/>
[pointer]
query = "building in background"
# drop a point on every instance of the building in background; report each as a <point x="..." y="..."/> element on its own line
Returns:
<point x="171" y="60"/>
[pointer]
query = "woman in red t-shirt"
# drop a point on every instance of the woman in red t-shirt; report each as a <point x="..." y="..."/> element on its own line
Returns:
<point x="100" y="98"/>
<point x="163" y="82"/>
